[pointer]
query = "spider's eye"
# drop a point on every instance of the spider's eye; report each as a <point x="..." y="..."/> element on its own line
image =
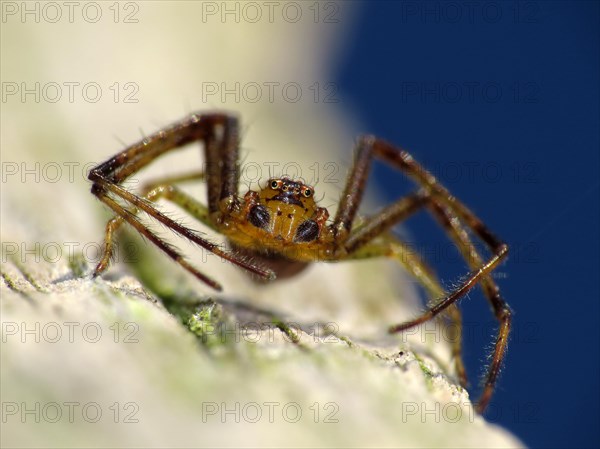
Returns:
<point x="274" y="184"/>
<point x="307" y="192"/>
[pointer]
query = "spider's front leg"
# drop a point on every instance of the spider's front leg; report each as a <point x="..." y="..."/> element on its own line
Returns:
<point x="153" y="191"/>
<point x="220" y="135"/>
<point x="451" y="213"/>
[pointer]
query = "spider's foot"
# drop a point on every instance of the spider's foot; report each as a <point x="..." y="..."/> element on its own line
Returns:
<point x="100" y="268"/>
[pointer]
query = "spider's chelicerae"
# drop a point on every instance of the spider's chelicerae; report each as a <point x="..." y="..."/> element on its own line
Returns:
<point x="282" y="229"/>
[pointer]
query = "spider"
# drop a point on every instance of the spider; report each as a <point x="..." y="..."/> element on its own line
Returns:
<point x="279" y="230"/>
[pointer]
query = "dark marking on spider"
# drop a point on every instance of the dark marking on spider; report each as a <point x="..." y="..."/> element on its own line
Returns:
<point x="259" y="216"/>
<point x="279" y="230"/>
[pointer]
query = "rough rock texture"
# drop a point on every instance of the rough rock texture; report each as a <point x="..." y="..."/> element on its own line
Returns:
<point x="105" y="363"/>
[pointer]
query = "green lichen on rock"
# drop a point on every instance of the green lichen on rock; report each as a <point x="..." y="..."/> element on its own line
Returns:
<point x="208" y="324"/>
<point x="78" y="265"/>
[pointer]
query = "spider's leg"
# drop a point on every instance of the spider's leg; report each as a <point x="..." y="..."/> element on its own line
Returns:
<point x="359" y="245"/>
<point x="101" y="188"/>
<point x="454" y="296"/>
<point x="135" y="157"/>
<point x="369" y="147"/>
<point x="222" y="169"/>
<point x="218" y="132"/>
<point x="165" y="247"/>
<point x="394" y="248"/>
<point x="461" y="238"/>
<point x="351" y="241"/>
<point x="353" y="191"/>
<point x="384" y="220"/>
<point x="451" y="212"/>
<point x="153" y="191"/>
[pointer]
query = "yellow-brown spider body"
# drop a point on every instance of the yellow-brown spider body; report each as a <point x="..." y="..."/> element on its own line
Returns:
<point x="281" y="219"/>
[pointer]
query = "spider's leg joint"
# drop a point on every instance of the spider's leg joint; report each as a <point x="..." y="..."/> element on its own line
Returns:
<point x="340" y="231"/>
<point x="367" y="139"/>
<point x="97" y="189"/>
<point x="229" y="204"/>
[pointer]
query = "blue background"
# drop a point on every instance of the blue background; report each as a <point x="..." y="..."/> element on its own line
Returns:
<point x="529" y="131"/>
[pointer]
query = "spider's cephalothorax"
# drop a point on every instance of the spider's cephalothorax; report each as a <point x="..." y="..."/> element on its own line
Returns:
<point x="282" y="219"/>
<point x="281" y="225"/>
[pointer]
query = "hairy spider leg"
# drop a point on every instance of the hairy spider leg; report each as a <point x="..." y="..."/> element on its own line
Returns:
<point x="219" y="133"/>
<point x="450" y="210"/>
<point x="168" y="249"/>
<point x="382" y="222"/>
<point x="369" y="147"/>
<point x="361" y="240"/>
<point x="392" y="247"/>
<point x="153" y="191"/>
<point x="461" y="238"/>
